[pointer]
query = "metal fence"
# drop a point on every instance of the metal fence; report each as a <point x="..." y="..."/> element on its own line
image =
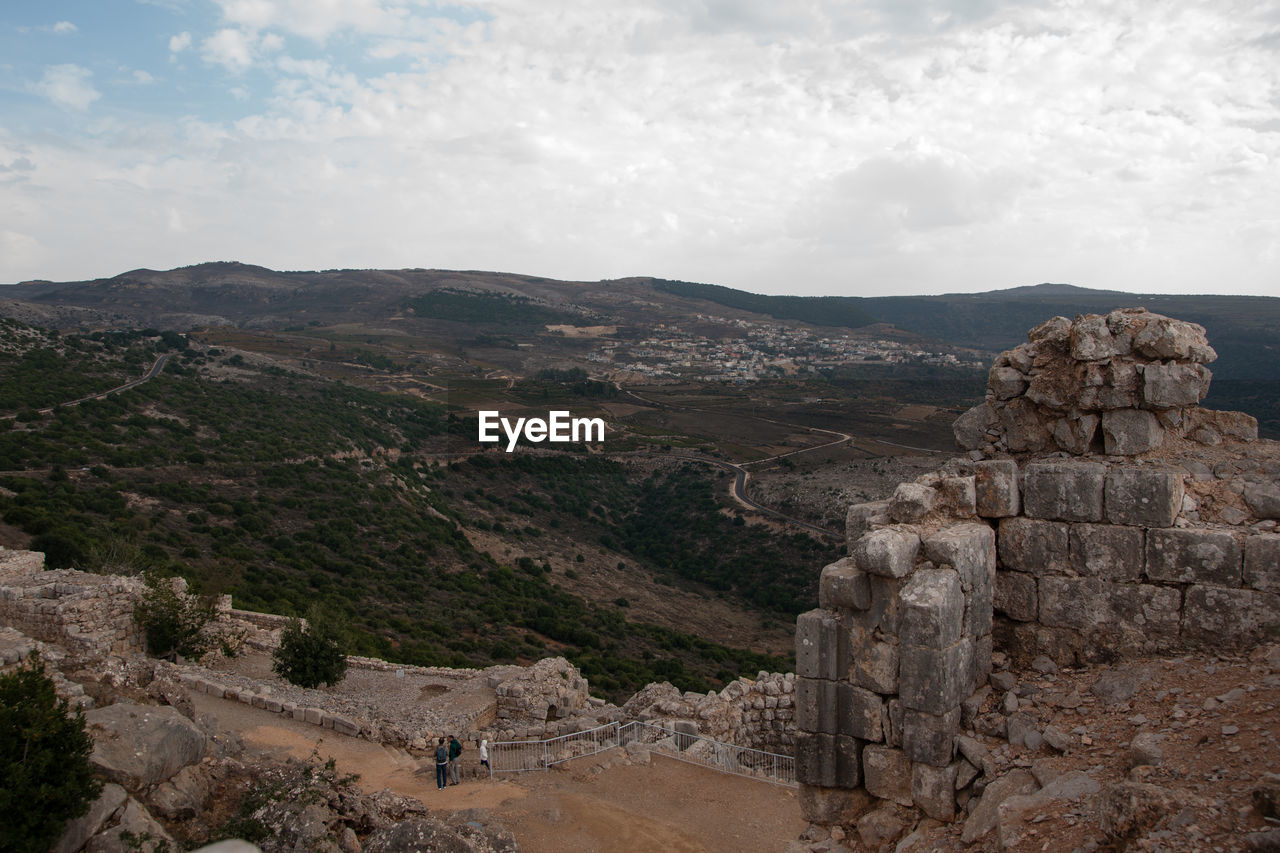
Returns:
<point x="518" y="756"/>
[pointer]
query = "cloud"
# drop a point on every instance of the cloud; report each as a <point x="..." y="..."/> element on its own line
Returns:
<point x="180" y="42"/>
<point x="143" y="78"/>
<point x="231" y="48"/>
<point x="64" y="27"/>
<point x="67" y="86"/>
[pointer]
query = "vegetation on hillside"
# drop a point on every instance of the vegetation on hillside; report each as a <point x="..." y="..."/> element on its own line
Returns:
<point x="818" y="310"/>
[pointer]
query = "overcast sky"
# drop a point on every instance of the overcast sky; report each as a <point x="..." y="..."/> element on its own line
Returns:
<point x="866" y="147"/>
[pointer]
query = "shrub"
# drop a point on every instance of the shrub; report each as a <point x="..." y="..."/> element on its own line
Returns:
<point x="45" y="775"/>
<point x="174" y="623"/>
<point x="310" y="654"/>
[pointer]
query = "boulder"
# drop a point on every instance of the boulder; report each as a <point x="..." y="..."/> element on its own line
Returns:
<point x="142" y="745"/>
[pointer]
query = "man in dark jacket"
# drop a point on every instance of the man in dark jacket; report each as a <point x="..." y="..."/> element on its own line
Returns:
<point x="455" y="750"/>
<point x="442" y="765"/>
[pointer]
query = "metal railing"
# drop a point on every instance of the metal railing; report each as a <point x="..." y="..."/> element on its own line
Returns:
<point x="520" y="756"/>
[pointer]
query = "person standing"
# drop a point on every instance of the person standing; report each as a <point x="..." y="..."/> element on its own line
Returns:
<point x="455" y="750"/>
<point x="484" y="756"/>
<point x="442" y="765"/>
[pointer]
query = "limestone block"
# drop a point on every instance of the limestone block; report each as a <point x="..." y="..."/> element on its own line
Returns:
<point x="859" y="713"/>
<point x="1264" y="615"/>
<point x="996" y="488"/>
<point x="1147" y="497"/>
<point x="1063" y="491"/>
<point x="1214" y="616"/>
<point x="81" y="829"/>
<point x="958" y="495"/>
<point x="1108" y="551"/>
<point x="892" y="722"/>
<point x="970" y="429"/>
<point x="1262" y="562"/>
<point x="982" y="649"/>
<point x="141" y="745"/>
<point x="809" y="704"/>
<point x="822" y="647"/>
<point x="815" y="759"/>
<point x="888" y="552"/>
<point x="935" y="680"/>
<point x="885" y="610"/>
<point x="930" y="738"/>
<point x="1165" y="338"/>
<point x="832" y="806"/>
<point x="1024" y="430"/>
<point x="1193" y="555"/>
<point x="1167" y="386"/>
<point x="1052" y="333"/>
<point x="1128" y="432"/>
<point x="1033" y="545"/>
<point x="861" y="517"/>
<point x="844" y="586"/>
<point x="873" y="662"/>
<point x="1263" y="499"/>
<point x="970" y="549"/>
<point x="315" y="716"/>
<point x="886" y="773"/>
<point x="1091" y="339"/>
<point x="932" y="609"/>
<point x="848" y="762"/>
<point x="1079" y="603"/>
<point x="1152" y="613"/>
<point x="911" y="501"/>
<point x="1076" y="432"/>
<point x="1006" y="382"/>
<point x="933" y="790"/>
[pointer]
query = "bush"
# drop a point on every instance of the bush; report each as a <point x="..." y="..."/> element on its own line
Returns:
<point x="173" y="623"/>
<point x="45" y="776"/>
<point x="310" y="655"/>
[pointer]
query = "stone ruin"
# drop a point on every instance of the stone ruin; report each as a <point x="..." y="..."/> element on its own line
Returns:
<point x="1099" y="514"/>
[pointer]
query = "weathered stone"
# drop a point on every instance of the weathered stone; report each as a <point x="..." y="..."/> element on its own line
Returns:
<point x="1147" y="497"/>
<point x="1263" y="499"/>
<point x="844" y="586"/>
<point x="1165" y="338"/>
<point x="996" y="488"/>
<point x="983" y="819"/>
<point x="182" y="796"/>
<point x="935" y="680"/>
<point x="1011" y="822"/>
<point x="1016" y="596"/>
<point x="815" y="759"/>
<point x="1193" y="555"/>
<point x="822" y="646"/>
<point x="886" y="773"/>
<point x="1215" y="617"/>
<point x="860" y="713"/>
<point x="832" y="806"/>
<point x="1077" y="603"/>
<point x="1128" y="809"/>
<point x="1022" y="427"/>
<point x="1076" y="432"/>
<point x="933" y="790"/>
<point x="970" y="549"/>
<point x="1128" y="432"/>
<point x="860" y="519"/>
<point x="1119" y="685"/>
<point x="1033" y="545"/>
<point x="957" y="496"/>
<point x="816" y="704"/>
<point x="80" y="830"/>
<point x="1149" y="614"/>
<point x="141" y="745"/>
<point x="888" y="552"/>
<point x="929" y="738"/>
<point x="1023" y="730"/>
<point x="932" y="609"/>
<point x="1054" y="332"/>
<point x="877" y="828"/>
<point x="873" y="662"/>
<point x="848" y="762"/>
<point x="1144" y="750"/>
<point x="1262" y="561"/>
<point x="1006" y="382"/>
<point x="911" y="501"/>
<point x="1063" y="491"/>
<point x="136" y="831"/>
<point x="970" y="429"/>
<point x="1106" y="551"/>
<point x="1167" y="386"/>
<point x="1091" y="339"/>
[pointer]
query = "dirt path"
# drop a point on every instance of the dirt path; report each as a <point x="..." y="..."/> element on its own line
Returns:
<point x="663" y="807"/>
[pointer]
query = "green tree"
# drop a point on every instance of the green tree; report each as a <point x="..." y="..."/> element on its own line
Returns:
<point x="311" y="653"/>
<point x="45" y="775"/>
<point x="174" y="623"/>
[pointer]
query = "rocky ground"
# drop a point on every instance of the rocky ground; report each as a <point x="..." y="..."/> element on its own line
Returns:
<point x="822" y="493"/>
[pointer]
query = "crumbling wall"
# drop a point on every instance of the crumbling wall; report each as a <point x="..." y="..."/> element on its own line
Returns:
<point x="1099" y="513"/>
<point x="756" y="712"/>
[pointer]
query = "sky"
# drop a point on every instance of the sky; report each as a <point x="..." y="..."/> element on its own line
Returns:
<point x="845" y="147"/>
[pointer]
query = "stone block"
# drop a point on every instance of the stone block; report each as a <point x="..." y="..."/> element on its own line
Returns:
<point x="832" y="806"/>
<point x="873" y="662"/>
<point x="844" y="586"/>
<point x="930" y="738"/>
<point x="822" y="645"/>
<point x="1078" y="603"/>
<point x="1263" y="499"/>
<point x="958" y="495"/>
<point x="1151" y="613"/>
<point x="1076" y="432"/>
<point x="860" y="713"/>
<point x="1194" y="555"/>
<point x="848" y="762"/>
<point x="1091" y="339"/>
<point x="314" y="716"/>
<point x="887" y="552"/>
<point x="860" y="519"/>
<point x="1108" y="551"/>
<point x="1034" y="546"/>
<point x="1005" y="383"/>
<point x="808" y="699"/>
<point x="1146" y="497"/>
<point x="1128" y="432"/>
<point x="935" y="680"/>
<point x="815" y="759"/>
<point x="892" y="722"/>
<point x="1214" y="617"/>
<point x="1063" y="491"/>
<point x="911" y="501"/>
<point x="982" y="649"/>
<point x="932" y="609"/>
<point x="933" y="790"/>
<point x="1169" y="386"/>
<point x="1264" y="615"/>
<point x="1262" y="561"/>
<point x="886" y="773"/>
<point x="970" y="549"/>
<point x="996" y="490"/>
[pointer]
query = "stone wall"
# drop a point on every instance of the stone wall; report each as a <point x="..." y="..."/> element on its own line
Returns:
<point x="1099" y="514"/>
<point x="759" y="712"/>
